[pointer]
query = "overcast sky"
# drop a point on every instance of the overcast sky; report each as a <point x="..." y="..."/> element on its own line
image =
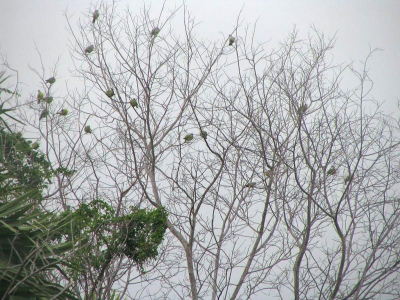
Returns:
<point x="359" y="26"/>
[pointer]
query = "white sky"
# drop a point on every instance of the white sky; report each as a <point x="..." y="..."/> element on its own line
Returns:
<point x="359" y="25"/>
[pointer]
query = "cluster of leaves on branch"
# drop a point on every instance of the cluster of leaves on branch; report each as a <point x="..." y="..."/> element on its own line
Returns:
<point x="137" y="234"/>
<point x="21" y="163"/>
<point x="143" y="233"/>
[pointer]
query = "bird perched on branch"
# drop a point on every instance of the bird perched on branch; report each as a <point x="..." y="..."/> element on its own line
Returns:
<point x="155" y="32"/>
<point x="43" y="114"/>
<point x="63" y="112"/>
<point x="331" y="171"/>
<point x="250" y="185"/>
<point x="35" y="145"/>
<point x="231" y="40"/>
<point x="40" y="96"/>
<point x="89" y="49"/>
<point x="188" y="137"/>
<point x="203" y="134"/>
<point x="51" y="80"/>
<point x="134" y="103"/>
<point x="110" y="93"/>
<point x="88" y="129"/>
<point x="95" y="15"/>
<point x="348" y="178"/>
<point x="303" y="108"/>
<point x="48" y="99"/>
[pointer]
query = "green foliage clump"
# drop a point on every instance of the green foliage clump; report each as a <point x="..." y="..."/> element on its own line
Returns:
<point x="20" y="163"/>
<point x="87" y="225"/>
<point x="137" y="235"/>
<point x="144" y="233"/>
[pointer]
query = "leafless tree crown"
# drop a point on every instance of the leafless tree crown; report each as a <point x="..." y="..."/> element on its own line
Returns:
<point x="278" y="180"/>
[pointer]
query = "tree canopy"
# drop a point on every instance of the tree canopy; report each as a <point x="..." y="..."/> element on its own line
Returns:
<point x="274" y="177"/>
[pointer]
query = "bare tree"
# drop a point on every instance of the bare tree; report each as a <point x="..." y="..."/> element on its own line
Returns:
<point x="277" y="180"/>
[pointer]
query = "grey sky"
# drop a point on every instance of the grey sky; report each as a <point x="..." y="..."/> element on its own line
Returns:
<point x="358" y="25"/>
